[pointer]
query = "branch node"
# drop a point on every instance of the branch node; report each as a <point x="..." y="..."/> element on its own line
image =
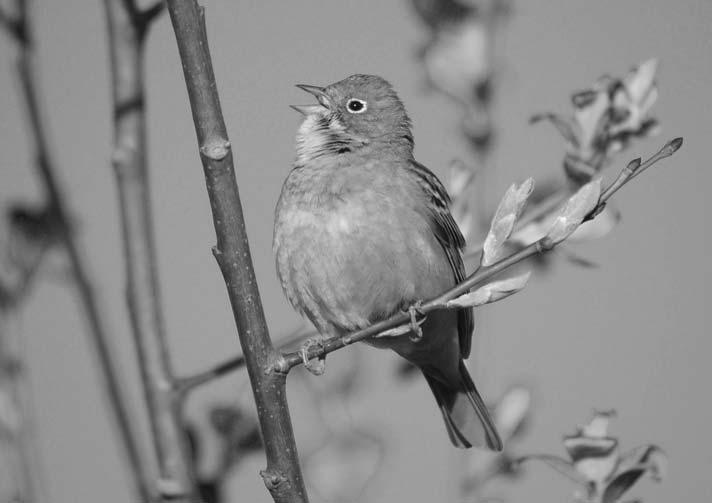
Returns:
<point x="215" y="149"/>
<point x="273" y="479"/>
<point x="544" y="245"/>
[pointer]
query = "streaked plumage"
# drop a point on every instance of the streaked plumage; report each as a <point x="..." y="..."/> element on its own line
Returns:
<point x="362" y="230"/>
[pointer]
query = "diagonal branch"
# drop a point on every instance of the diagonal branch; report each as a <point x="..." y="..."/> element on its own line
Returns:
<point x="85" y="289"/>
<point x="126" y="35"/>
<point x="479" y="277"/>
<point x="283" y="475"/>
<point x="188" y="383"/>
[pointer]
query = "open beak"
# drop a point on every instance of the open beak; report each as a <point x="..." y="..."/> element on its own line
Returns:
<point x="319" y="93"/>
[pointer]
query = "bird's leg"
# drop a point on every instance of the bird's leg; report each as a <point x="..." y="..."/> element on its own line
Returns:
<point x="416" y="333"/>
<point x="316" y="365"/>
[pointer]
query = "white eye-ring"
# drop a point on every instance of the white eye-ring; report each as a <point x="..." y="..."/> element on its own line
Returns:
<point x="356" y="106"/>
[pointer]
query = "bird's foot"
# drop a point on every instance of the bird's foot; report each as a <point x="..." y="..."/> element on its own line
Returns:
<point x="416" y="333"/>
<point x="316" y="365"/>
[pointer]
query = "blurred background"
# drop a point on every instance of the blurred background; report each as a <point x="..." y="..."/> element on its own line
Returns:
<point x="632" y="334"/>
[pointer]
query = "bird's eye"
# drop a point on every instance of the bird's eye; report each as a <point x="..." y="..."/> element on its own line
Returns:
<point x="356" y="106"/>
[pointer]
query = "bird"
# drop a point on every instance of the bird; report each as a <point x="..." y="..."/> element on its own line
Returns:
<point x="363" y="231"/>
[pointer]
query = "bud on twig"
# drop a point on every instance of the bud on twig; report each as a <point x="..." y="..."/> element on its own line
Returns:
<point x="574" y="212"/>
<point x="492" y="292"/>
<point x="508" y="211"/>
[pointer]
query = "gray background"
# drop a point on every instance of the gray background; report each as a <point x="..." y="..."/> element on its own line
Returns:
<point x="632" y="335"/>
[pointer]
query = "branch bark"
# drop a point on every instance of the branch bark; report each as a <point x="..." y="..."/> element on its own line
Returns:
<point x="282" y="476"/>
<point x="127" y="27"/>
<point x="56" y="202"/>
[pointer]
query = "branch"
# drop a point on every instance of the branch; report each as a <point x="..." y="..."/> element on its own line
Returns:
<point x="479" y="277"/>
<point x="126" y="30"/>
<point x="188" y="383"/>
<point x="85" y="289"/>
<point x="283" y="475"/>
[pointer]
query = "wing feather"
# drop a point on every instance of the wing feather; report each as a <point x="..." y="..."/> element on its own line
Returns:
<point x="451" y="239"/>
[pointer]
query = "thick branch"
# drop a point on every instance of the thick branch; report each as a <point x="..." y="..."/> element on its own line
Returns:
<point x="479" y="277"/>
<point x="283" y="475"/>
<point x="126" y="33"/>
<point x="85" y="290"/>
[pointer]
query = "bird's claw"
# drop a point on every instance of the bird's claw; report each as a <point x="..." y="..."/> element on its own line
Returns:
<point x="416" y="333"/>
<point x="316" y="365"/>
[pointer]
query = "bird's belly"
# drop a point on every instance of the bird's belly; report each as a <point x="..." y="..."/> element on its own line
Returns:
<point x="358" y="263"/>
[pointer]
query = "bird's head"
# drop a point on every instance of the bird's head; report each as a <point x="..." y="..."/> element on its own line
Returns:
<point x="357" y="112"/>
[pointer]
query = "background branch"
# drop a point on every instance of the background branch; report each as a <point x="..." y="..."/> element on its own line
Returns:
<point x="283" y="475"/>
<point x="479" y="277"/>
<point x="56" y="204"/>
<point x="127" y="28"/>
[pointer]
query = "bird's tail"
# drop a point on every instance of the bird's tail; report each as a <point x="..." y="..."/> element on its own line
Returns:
<point x="466" y="417"/>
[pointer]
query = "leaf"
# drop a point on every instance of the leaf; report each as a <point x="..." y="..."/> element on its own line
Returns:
<point x="647" y="459"/>
<point x="589" y="121"/>
<point x="572" y="214"/>
<point x="640" y="81"/>
<point x="598" y="426"/>
<point x="594" y="458"/>
<point x="508" y="211"/>
<point x="512" y="410"/>
<point x="492" y="292"/>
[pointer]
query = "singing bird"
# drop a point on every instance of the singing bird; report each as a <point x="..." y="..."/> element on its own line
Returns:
<point x="363" y="231"/>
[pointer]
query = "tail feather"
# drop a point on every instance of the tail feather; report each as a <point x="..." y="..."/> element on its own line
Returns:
<point x="466" y="416"/>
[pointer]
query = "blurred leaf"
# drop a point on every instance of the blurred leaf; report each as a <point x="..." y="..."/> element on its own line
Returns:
<point x="492" y="292"/>
<point x="598" y="426"/>
<point x="572" y="214"/>
<point x="511" y="411"/>
<point x="456" y="59"/>
<point x="633" y="98"/>
<point x="641" y="80"/>
<point x="594" y="454"/>
<point x="633" y="465"/>
<point x="509" y="210"/>
<point x="460" y="177"/>
<point x="559" y="464"/>
<point x="562" y="125"/>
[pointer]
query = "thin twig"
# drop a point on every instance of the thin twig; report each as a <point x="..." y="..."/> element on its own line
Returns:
<point x="283" y="476"/>
<point x="188" y="383"/>
<point x="56" y="201"/>
<point x="479" y="277"/>
<point x="126" y="34"/>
